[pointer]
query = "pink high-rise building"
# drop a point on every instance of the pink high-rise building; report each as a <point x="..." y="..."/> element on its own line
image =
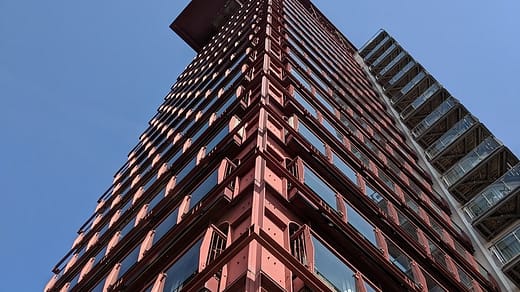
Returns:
<point x="285" y="159"/>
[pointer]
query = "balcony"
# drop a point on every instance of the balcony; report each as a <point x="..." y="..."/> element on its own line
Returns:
<point x="384" y="55"/>
<point x="376" y="48"/>
<point x="507" y="250"/>
<point x="484" y="173"/>
<point x="433" y="117"/>
<point x="401" y="73"/>
<point x="471" y="160"/>
<point x="450" y="136"/>
<point x="497" y="206"/>
<point x="411" y="84"/>
<point x="374" y="41"/>
<point x="418" y="102"/>
<point x="441" y="126"/>
<point x="390" y="65"/>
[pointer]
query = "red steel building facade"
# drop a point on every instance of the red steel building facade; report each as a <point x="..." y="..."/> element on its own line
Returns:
<point x="275" y="163"/>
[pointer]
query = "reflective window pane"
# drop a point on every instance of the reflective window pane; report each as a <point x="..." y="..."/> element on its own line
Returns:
<point x="361" y="224"/>
<point x="204" y="188"/>
<point x="165" y="226"/>
<point x="345" y="168"/>
<point x="129" y="261"/>
<point x="332" y="270"/>
<point x="320" y="187"/>
<point x="183" y="269"/>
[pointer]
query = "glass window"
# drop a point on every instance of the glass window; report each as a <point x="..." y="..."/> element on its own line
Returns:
<point x="361" y="224"/>
<point x="386" y="179"/>
<point x="156" y="199"/>
<point x="369" y="288"/>
<point x="204" y="188"/>
<point x="82" y="251"/>
<point x="74" y="281"/>
<point x="182" y="174"/>
<point x="127" y="204"/>
<point x="226" y="105"/>
<point x="174" y="159"/>
<point x="438" y="255"/>
<point x="218" y="138"/>
<point x="311" y="138"/>
<point x="99" y="286"/>
<point x="100" y="255"/>
<point x="325" y="102"/>
<point x="333" y="130"/>
<point x="150" y="181"/>
<point x="399" y="259"/>
<point x="127" y="227"/>
<point x="371" y="146"/>
<point x="303" y="102"/>
<point x="508" y="247"/>
<point x="103" y="229"/>
<point x="318" y="80"/>
<point x="331" y="269"/>
<point x="345" y="168"/>
<point x="432" y="285"/>
<point x="298" y="61"/>
<point x="362" y="157"/>
<point x="408" y="226"/>
<point x="189" y="125"/>
<point x="183" y="269"/>
<point x="212" y="99"/>
<point x="346" y="122"/>
<point x="303" y="81"/>
<point x="376" y="197"/>
<point x="320" y="187"/>
<point x="411" y="204"/>
<point x="165" y="225"/>
<point x="201" y="130"/>
<point x="129" y="261"/>
<point x="231" y="82"/>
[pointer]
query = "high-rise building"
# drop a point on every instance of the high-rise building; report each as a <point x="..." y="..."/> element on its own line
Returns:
<point x="280" y="161"/>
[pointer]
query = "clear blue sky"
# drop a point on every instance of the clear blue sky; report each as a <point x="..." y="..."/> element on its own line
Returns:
<point x="79" y="81"/>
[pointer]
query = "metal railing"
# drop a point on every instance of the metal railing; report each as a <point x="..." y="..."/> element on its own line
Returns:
<point x="494" y="193"/>
<point x="471" y="160"/>
<point x="384" y="55"/>
<point x="434" y="116"/>
<point x="379" y="32"/>
<point x="420" y="100"/>
<point x="403" y="71"/>
<point x="508" y="247"/>
<point x="450" y="136"/>
<point x="392" y="63"/>
<point x="411" y="84"/>
<point x="376" y="48"/>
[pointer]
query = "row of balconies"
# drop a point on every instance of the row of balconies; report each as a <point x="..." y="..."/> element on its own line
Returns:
<point x="479" y="171"/>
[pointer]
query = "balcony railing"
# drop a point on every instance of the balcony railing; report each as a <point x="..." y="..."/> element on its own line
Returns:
<point x="413" y="82"/>
<point x="384" y="55"/>
<point x="392" y="63"/>
<point x="371" y="40"/>
<point x="401" y="73"/>
<point x="376" y="48"/>
<point x="471" y="160"/>
<point x="508" y="247"/>
<point x="420" y="100"/>
<point x="434" y="116"/>
<point x="450" y="136"/>
<point x="494" y="193"/>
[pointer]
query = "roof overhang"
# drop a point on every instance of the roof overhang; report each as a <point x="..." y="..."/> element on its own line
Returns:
<point x="201" y="19"/>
